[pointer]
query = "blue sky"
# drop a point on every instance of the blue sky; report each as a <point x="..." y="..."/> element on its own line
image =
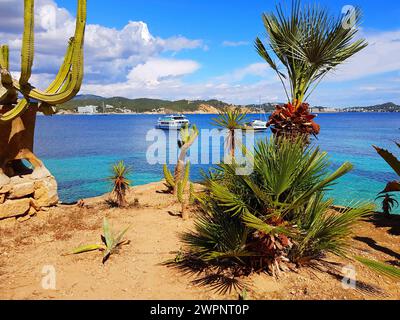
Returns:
<point x="204" y="49"/>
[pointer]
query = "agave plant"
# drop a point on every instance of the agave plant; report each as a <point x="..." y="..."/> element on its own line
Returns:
<point x="230" y="119"/>
<point x="276" y="214"/>
<point x="389" y="202"/>
<point x="308" y="43"/>
<point x="120" y="182"/>
<point x="111" y="242"/>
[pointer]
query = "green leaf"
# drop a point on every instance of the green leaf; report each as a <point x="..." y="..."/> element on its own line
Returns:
<point x="252" y="221"/>
<point x="118" y="239"/>
<point x="107" y="234"/>
<point x="381" y="268"/>
<point x="390" y="159"/>
<point x="87" y="248"/>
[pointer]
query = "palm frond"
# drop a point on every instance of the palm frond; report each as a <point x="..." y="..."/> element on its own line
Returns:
<point x="381" y="268"/>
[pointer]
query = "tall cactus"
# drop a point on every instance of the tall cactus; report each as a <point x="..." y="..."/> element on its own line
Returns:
<point x="17" y="118"/>
<point x="188" y="137"/>
<point x="67" y="82"/>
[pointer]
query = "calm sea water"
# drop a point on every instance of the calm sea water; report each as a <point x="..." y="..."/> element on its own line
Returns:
<point x="79" y="150"/>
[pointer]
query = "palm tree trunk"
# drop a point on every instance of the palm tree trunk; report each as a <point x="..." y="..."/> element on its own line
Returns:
<point x="233" y="145"/>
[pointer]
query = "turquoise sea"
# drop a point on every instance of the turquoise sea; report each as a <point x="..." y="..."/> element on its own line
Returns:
<point x="79" y="150"/>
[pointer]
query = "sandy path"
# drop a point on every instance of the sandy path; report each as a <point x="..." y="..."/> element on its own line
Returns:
<point x="136" y="272"/>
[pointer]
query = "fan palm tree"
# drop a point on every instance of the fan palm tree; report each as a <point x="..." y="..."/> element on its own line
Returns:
<point x="230" y="119"/>
<point x="120" y="182"/>
<point x="308" y="43"/>
<point x="277" y="213"/>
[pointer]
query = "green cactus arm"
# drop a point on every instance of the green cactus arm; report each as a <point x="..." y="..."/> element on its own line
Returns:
<point x="53" y="87"/>
<point x="27" y="43"/>
<point x="74" y="85"/>
<point x="64" y="71"/>
<point x="16" y="111"/>
<point x="180" y="192"/>
<point x="191" y="194"/>
<point x="168" y="176"/>
<point x="4" y="57"/>
<point x="186" y="176"/>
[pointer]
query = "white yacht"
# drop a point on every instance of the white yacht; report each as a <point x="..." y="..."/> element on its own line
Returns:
<point x="257" y="125"/>
<point x="172" y="122"/>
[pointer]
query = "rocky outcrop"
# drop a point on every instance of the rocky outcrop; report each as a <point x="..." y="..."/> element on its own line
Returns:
<point x="23" y="196"/>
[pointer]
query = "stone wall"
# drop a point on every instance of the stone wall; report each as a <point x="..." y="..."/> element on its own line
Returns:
<point x="23" y="196"/>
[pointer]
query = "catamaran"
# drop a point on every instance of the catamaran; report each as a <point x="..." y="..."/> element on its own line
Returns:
<point x="172" y="122"/>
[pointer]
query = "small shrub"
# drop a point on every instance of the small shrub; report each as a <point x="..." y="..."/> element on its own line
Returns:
<point x="120" y="184"/>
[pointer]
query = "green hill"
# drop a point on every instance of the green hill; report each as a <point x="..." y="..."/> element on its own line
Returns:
<point x="118" y="104"/>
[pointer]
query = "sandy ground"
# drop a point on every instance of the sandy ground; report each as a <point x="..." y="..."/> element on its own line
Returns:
<point x="137" y="272"/>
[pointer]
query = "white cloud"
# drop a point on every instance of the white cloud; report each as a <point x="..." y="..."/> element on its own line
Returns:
<point x="110" y="54"/>
<point x="154" y="71"/>
<point x="260" y="69"/>
<point x="235" y="43"/>
<point x="132" y="62"/>
<point x="381" y="55"/>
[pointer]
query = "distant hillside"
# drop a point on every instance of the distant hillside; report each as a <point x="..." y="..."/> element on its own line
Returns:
<point x="385" y="107"/>
<point x="120" y="104"/>
<point x="267" y="107"/>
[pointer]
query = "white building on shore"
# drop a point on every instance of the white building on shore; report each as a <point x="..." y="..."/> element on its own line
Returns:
<point x="87" y="109"/>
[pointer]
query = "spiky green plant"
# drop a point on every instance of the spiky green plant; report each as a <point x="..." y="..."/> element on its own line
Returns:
<point x="308" y="43"/>
<point x="381" y="268"/>
<point x="67" y="82"/>
<point x="182" y="169"/>
<point x="111" y="242"/>
<point x="120" y="182"/>
<point x="230" y="119"/>
<point x="388" y="201"/>
<point x="192" y="197"/>
<point x="181" y="196"/>
<point x="184" y="197"/>
<point x="169" y="179"/>
<point x="188" y="137"/>
<point x="276" y="213"/>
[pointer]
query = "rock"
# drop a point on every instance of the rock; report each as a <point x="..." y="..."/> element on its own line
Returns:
<point x="32" y="211"/>
<point x="24" y="218"/>
<point x="35" y="205"/>
<point x="4" y="180"/>
<point x="46" y="192"/>
<point x="41" y="173"/>
<point x="2" y="198"/>
<point x="14" y="208"/>
<point x="5" y="189"/>
<point x="22" y="190"/>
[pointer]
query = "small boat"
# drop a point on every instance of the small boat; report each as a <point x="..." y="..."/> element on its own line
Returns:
<point x="257" y="125"/>
<point x="260" y="124"/>
<point x="172" y="122"/>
